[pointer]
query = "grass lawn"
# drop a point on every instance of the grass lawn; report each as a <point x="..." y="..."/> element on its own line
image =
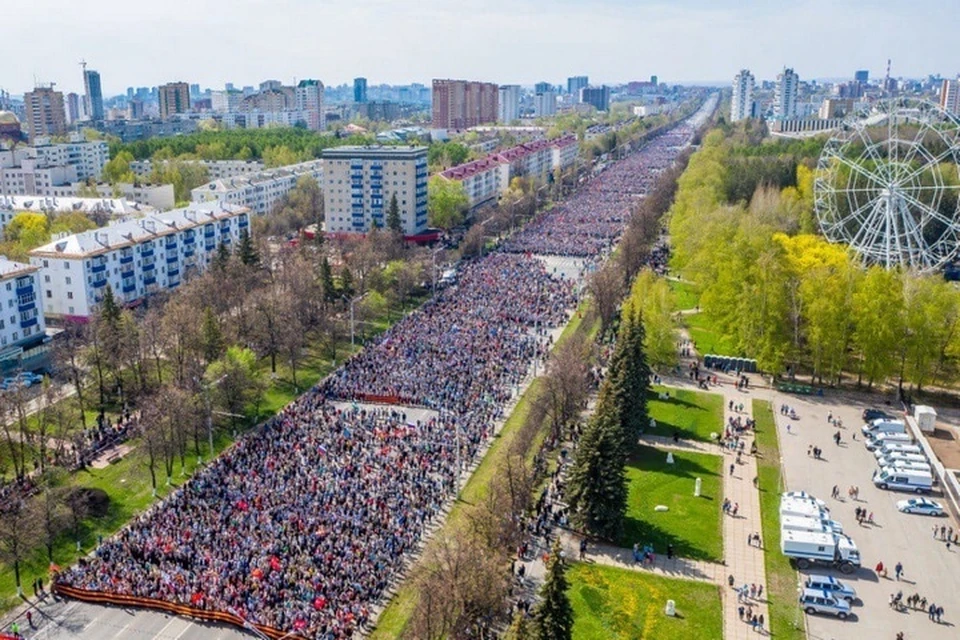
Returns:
<point x="694" y="414"/>
<point x="685" y="295"/>
<point x="618" y="604"/>
<point x="707" y="337"/>
<point x="781" y="577"/>
<point x="692" y="525"/>
<point x="395" y="617"/>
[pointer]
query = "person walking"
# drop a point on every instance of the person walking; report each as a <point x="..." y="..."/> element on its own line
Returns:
<point x="732" y="467"/>
<point x="898" y="570"/>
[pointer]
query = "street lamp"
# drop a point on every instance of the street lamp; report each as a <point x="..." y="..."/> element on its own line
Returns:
<point x="206" y="398"/>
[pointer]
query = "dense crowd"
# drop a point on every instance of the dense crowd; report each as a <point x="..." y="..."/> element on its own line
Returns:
<point x="302" y="525"/>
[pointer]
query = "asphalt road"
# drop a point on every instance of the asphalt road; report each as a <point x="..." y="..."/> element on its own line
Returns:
<point x="929" y="568"/>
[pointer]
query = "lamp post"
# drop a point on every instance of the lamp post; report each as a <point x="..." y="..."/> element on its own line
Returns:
<point x="206" y="399"/>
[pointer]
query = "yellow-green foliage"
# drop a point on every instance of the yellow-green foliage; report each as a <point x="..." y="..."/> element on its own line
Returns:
<point x="650" y="294"/>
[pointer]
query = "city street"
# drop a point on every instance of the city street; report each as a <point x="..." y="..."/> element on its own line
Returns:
<point x="929" y="568"/>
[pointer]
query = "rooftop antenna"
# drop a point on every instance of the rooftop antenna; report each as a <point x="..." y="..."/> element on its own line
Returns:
<point x="83" y="65"/>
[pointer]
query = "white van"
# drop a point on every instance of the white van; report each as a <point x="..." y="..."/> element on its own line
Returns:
<point x="802" y="508"/>
<point x="903" y="480"/>
<point x="882" y="439"/>
<point x="897" y="447"/>
<point x="812" y="525"/>
<point x="894" y="456"/>
<point x="911" y="465"/>
<point x="884" y="425"/>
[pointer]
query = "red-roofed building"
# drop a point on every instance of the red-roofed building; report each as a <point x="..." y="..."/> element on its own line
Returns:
<point x="483" y="180"/>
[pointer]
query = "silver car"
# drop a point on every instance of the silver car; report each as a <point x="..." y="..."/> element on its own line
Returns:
<point x="820" y="601"/>
<point x="830" y="585"/>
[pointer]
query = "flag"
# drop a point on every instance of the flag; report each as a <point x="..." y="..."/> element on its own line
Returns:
<point x="275" y="563"/>
<point x="319" y="603"/>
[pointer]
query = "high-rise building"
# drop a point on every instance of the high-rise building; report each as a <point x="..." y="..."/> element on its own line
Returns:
<point x="741" y="105"/>
<point x="174" y="98"/>
<point x="545" y="102"/>
<point x="73" y="108"/>
<point x="509" y="107"/>
<point x="459" y="104"/>
<point x="227" y="101"/>
<point x="135" y="109"/>
<point x="785" y="95"/>
<point x="950" y="96"/>
<point x="542" y="87"/>
<point x="309" y="101"/>
<point x="194" y="90"/>
<point x="45" y="112"/>
<point x="599" y="97"/>
<point x="271" y="85"/>
<point x="862" y="76"/>
<point x="654" y="81"/>
<point x="357" y="193"/>
<point x="575" y="84"/>
<point x="93" y="95"/>
<point x="359" y="90"/>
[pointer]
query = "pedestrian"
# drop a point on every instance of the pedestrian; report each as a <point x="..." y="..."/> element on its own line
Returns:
<point x="932" y="611"/>
<point x="939" y="612"/>
<point x="670" y="552"/>
<point x="756" y="481"/>
<point x="740" y="611"/>
<point x="30" y="619"/>
<point x="760" y="623"/>
<point x="583" y="548"/>
<point x="736" y="508"/>
<point x="759" y="591"/>
<point x="881" y="570"/>
<point x="732" y="466"/>
<point x="898" y="570"/>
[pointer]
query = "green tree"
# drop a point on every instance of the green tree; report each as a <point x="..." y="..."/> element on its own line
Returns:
<point x="72" y="222"/>
<point x="447" y="202"/>
<point x="236" y="380"/>
<point x="629" y="365"/>
<point x="211" y="337"/>
<point x="222" y="259"/>
<point x="247" y="251"/>
<point x="393" y="216"/>
<point x="28" y="229"/>
<point x="118" y="169"/>
<point x="598" y="490"/>
<point x="346" y="282"/>
<point x="553" y="616"/>
<point x="326" y="281"/>
<point x="279" y="156"/>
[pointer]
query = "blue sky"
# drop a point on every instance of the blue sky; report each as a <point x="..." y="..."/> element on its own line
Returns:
<point x="507" y="41"/>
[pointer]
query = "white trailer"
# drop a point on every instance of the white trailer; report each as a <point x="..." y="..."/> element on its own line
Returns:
<point x="807" y="549"/>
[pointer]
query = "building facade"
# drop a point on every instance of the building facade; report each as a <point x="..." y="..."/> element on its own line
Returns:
<point x="22" y="322"/>
<point x="575" y="84"/>
<point x="359" y="183"/>
<point x="461" y="104"/>
<point x="545" y="103"/>
<point x="599" y="97"/>
<point x="950" y="96"/>
<point x="309" y="102"/>
<point x="785" y="95"/>
<point x="359" y="90"/>
<point x="483" y="180"/>
<point x="45" y="115"/>
<point x="741" y="104"/>
<point x="508" y="108"/>
<point x="93" y="95"/>
<point x="174" y="98"/>
<point x="136" y="258"/>
<point x="72" y="106"/>
<point x="260" y="191"/>
<point x="216" y="169"/>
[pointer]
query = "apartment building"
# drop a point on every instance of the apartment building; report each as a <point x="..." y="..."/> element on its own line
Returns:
<point x="136" y="258"/>
<point x="461" y="104"/>
<point x="259" y="191"/>
<point x="174" y="98"/>
<point x="950" y="96"/>
<point x="483" y="180"/>
<point x="309" y="101"/>
<point x="22" y="323"/>
<point x="106" y="208"/>
<point x="359" y="183"/>
<point x="45" y="113"/>
<point x="575" y="84"/>
<point x="599" y="97"/>
<point x="741" y="105"/>
<point x="508" y="109"/>
<point x="216" y="169"/>
<point x="545" y="103"/>
<point x="785" y="94"/>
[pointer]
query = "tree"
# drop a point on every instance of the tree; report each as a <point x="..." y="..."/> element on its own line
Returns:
<point x="628" y="365"/>
<point x="447" y="202"/>
<point x="279" y="156"/>
<point x="394" y="223"/>
<point x="565" y="382"/>
<point x="52" y="511"/>
<point x="211" y="337"/>
<point x="19" y="530"/>
<point x="598" y="489"/>
<point x="606" y="287"/>
<point x="346" y="283"/>
<point x="222" y="259"/>
<point x="247" y="251"/>
<point x="118" y="169"/>
<point x="72" y="222"/>
<point x="553" y="617"/>
<point x="239" y="380"/>
<point x="327" y="287"/>
<point x="28" y="229"/>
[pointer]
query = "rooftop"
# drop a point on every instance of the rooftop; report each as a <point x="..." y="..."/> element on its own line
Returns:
<point x="375" y="151"/>
<point x="10" y="269"/>
<point x="46" y="204"/>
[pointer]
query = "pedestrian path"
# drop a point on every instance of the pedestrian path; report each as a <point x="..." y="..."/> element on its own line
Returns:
<point x="695" y="446"/>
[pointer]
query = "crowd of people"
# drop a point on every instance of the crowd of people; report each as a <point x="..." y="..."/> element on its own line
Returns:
<point x="301" y="525"/>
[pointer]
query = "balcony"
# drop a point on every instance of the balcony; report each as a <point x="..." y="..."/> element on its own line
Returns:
<point x="172" y="259"/>
<point x="97" y="284"/>
<point x="147" y="253"/>
<point x="25" y="290"/>
<point x="210" y="246"/>
<point x="99" y="268"/>
<point x="148" y="266"/>
<point x="209" y="232"/>
<point x="28" y="323"/>
<point x="188" y="252"/>
<point x="172" y="273"/>
<point x="129" y="288"/>
<point x="149" y="280"/>
<point x="189" y="240"/>
<point x="27" y="306"/>
<point x="126" y="259"/>
<point x="244" y="223"/>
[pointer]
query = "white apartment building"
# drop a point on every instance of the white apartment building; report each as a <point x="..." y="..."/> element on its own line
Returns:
<point x="950" y="96"/>
<point x="47" y="164"/>
<point x="483" y="180"/>
<point x="545" y="103"/>
<point x="255" y="119"/>
<point x="359" y="183"/>
<point x="135" y="258"/>
<point x="309" y="101"/>
<point x="258" y="191"/>
<point x="741" y="105"/>
<point x="785" y="95"/>
<point x="216" y="169"/>
<point x="10" y="206"/>
<point x="225" y="101"/>
<point x="565" y="151"/>
<point x="508" y="109"/>
<point x="22" y="323"/>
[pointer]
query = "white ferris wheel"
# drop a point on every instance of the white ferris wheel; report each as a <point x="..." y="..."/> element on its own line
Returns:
<point x="887" y="185"/>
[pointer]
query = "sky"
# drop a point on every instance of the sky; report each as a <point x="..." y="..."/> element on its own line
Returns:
<point x="211" y="42"/>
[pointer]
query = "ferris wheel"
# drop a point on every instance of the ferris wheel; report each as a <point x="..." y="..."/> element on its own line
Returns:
<point x="887" y="185"/>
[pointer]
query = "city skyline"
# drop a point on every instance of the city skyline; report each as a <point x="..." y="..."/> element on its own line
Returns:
<point x="612" y="41"/>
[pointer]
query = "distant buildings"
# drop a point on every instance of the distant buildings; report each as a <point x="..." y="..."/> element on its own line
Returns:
<point x="459" y="104"/>
<point x="575" y="84"/>
<point x="174" y="98"/>
<point x="105" y="208"/>
<point x="509" y="103"/>
<point x="836" y="107"/>
<point x="30" y="170"/>
<point x="862" y="76"/>
<point x="599" y="97"/>
<point x="45" y="113"/>
<point x="259" y="191"/>
<point x="360" y="90"/>
<point x="22" y="323"/>
<point x="785" y="95"/>
<point x="950" y="96"/>
<point x="216" y="169"/>
<point x="359" y="183"/>
<point x="136" y="258"/>
<point x="309" y="102"/>
<point x="72" y="108"/>
<point x="545" y="101"/>
<point x="741" y="105"/>
<point x="93" y="95"/>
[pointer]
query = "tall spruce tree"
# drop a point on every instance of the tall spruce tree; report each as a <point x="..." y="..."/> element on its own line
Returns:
<point x="346" y="282"/>
<point x="247" y="252"/>
<point x="553" y="617"/>
<point x="393" y="216"/>
<point x="328" y="289"/>
<point x="222" y="259"/>
<point x="597" y="491"/>
<point x="629" y="365"/>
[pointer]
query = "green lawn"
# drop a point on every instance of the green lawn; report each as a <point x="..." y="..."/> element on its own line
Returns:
<point x="694" y="414"/>
<point x="692" y="525"/>
<point x="685" y="295"/>
<point x="618" y="604"/>
<point x="707" y="337"/>
<point x="781" y="577"/>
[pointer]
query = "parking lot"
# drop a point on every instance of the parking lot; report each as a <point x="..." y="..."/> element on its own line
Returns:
<point x="930" y="569"/>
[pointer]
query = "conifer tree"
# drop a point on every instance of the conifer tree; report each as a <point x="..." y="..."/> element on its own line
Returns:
<point x="393" y="216"/>
<point x="222" y="258"/>
<point x="247" y="252"/>
<point x="346" y="282"/>
<point x="326" y="281"/>
<point x="628" y="364"/>
<point x="553" y="616"/>
<point x="212" y="343"/>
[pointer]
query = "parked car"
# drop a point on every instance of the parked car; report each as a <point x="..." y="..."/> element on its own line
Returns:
<point x="12" y="383"/>
<point x="820" y="601"/>
<point x="869" y="415"/>
<point x="831" y="585"/>
<point x="921" y="506"/>
<point x="29" y="378"/>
